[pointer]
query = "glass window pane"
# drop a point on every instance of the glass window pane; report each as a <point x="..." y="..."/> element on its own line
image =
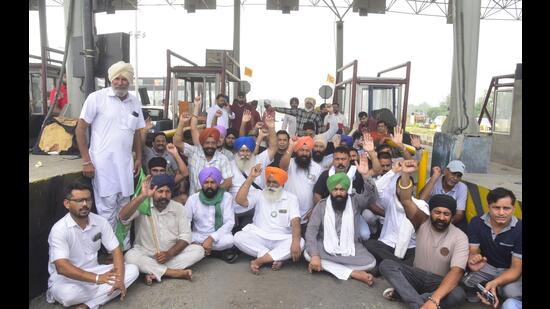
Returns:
<point x="503" y="111"/>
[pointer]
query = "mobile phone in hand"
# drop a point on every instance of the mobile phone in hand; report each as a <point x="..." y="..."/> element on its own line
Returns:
<point x="490" y="297"/>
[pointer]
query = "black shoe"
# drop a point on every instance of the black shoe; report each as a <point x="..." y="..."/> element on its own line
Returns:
<point x="230" y="256"/>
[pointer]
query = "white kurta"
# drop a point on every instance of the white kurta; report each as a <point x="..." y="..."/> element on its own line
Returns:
<point x="203" y="218"/>
<point x="301" y="182"/>
<point x="223" y="120"/>
<point x="80" y="246"/>
<point x="114" y="124"/>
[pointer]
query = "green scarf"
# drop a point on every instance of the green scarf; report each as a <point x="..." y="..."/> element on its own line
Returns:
<point x="216" y="202"/>
<point x="144" y="208"/>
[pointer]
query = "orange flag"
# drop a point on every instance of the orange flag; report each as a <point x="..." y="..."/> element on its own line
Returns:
<point x="248" y="71"/>
<point x="330" y="78"/>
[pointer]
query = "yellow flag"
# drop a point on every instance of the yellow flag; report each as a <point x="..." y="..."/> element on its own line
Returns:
<point x="248" y="71"/>
<point x="330" y="78"/>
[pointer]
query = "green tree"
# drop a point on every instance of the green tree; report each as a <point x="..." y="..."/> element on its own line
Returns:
<point x="479" y="104"/>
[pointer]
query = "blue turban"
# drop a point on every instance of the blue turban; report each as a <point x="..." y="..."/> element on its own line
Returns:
<point x="247" y="141"/>
<point x="163" y="180"/>
<point x="347" y="139"/>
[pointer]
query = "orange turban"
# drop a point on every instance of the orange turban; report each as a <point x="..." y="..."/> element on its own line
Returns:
<point x="280" y="175"/>
<point x="209" y="132"/>
<point x="304" y="140"/>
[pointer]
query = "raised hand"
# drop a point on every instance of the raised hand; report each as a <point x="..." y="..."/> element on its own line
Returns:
<point x="336" y="140"/>
<point x="270" y="122"/>
<point x="259" y="125"/>
<point x="149" y="124"/>
<point x="171" y="148"/>
<point x="436" y="171"/>
<point x="397" y="166"/>
<point x="415" y="141"/>
<point x="219" y="113"/>
<point x="292" y="143"/>
<point x="185" y="118"/>
<point x="409" y="166"/>
<point x="363" y="165"/>
<point x="256" y="170"/>
<point x="146" y="187"/>
<point x="397" y="136"/>
<point x="368" y="143"/>
<point x="247" y="116"/>
<point x="197" y="104"/>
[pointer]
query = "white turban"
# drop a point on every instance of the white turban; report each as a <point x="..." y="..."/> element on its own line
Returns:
<point x="121" y="68"/>
<point x="320" y="138"/>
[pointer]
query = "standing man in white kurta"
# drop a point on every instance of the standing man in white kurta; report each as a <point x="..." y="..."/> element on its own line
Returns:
<point x="274" y="234"/>
<point x="115" y="116"/>
<point x="75" y="276"/>
<point x="163" y="238"/>
<point x="211" y="214"/>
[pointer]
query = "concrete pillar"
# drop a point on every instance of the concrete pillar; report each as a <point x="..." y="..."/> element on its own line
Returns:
<point x="339" y="54"/>
<point x="461" y="118"/>
<point x="76" y="97"/>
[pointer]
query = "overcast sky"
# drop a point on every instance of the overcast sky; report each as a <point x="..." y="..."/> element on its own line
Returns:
<point x="291" y="54"/>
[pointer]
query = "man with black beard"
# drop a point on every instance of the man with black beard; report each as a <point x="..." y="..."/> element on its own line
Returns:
<point x="245" y="159"/>
<point x="203" y="153"/>
<point x="211" y="214"/>
<point x="332" y="236"/>
<point x="163" y="232"/>
<point x="441" y="252"/>
<point x="302" y="175"/>
<point x="319" y="152"/>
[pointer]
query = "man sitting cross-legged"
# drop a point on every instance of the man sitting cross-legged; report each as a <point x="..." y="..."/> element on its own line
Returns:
<point x="332" y="235"/>
<point x="211" y="213"/>
<point x="274" y="234"/>
<point x="75" y="276"/>
<point x="163" y="236"/>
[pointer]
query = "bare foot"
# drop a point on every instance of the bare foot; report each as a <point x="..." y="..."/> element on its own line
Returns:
<point x="363" y="276"/>
<point x="254" y="267"/>
<point x="149" y="278"/>
<point x="277" y="265"/>
<point x="185" y="274"/>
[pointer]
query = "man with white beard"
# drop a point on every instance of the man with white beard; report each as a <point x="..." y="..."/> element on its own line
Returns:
<point x="274" y="235"/>
<point x="241" y="166"/>
<point x="302" y="175"/>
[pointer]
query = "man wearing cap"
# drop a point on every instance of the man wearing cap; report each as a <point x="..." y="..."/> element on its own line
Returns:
<point x="245" y="160"/>
<point x="203" y="153"/>
<point x="274" y="234"/>
<point x="302" y="175"/>
<point x="304" y="115"/>
<point x="450" y="185"/>
<point x="219" y="113"/>
<point x="116" y="117"/>
<point x="441" y="252"/>
<point x="332" y="236"/>
<point x="496" y="248"/>
<point x="211" y="214"/>
<point x="162" y="245"/>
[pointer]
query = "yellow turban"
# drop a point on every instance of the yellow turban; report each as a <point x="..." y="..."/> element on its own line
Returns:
<point x="121" y="68"/>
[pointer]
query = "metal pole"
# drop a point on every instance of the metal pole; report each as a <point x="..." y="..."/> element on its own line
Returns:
<point x="43" y="53"/>
<point x="89" y="49"/>
<point x="339" y="54"/>
<point x="136" y="45"/>
<point x="236" y="42"/>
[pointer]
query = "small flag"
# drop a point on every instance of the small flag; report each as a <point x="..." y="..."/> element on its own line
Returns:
<point x="330" y="78"/>
<point x="248" y="71"/>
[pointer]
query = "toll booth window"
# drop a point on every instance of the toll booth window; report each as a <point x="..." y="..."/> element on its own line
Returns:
<point x="503" y="111"/>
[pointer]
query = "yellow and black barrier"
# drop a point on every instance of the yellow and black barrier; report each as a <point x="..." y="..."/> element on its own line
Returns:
<point x="476" y="204"/>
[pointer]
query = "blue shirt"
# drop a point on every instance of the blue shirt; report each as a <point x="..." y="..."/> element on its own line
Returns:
<point x="459" y="192"/>
<point x="497" y="248"/>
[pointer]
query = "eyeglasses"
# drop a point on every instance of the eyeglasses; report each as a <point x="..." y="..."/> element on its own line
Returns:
<point x="81" y="201"/>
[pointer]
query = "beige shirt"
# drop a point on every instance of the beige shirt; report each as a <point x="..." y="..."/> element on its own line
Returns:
<point x="171" y="225"/>
<point x="437" y="252"/>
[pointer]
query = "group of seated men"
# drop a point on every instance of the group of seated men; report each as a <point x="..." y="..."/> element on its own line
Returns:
<point x="274" y="197"/>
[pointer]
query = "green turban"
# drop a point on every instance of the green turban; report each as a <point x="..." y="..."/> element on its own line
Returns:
<point x="338" y="178"/>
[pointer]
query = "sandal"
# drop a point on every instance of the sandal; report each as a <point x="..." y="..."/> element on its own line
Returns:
<point x="390" y="294"/>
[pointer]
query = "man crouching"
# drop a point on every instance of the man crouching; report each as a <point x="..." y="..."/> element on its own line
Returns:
<point x="274" y="234"/>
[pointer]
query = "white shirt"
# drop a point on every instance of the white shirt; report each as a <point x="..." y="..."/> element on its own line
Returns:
<point x="68" y="241"/>
<point x="203" y="217"/>
<point x="223" y="120"/>
<point x="301" y="182"/>
<point x="272" y="219"/>
<point x="114" y="124"/>
<point x="289" y="124"/>
<point x="238" y="178"/>
<point x="459" y="192"/>
<point x="335" y="120"/>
